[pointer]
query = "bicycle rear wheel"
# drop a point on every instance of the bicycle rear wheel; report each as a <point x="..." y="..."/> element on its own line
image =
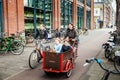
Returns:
<point x="17" y="48"/>
<point x="34" y="59"/>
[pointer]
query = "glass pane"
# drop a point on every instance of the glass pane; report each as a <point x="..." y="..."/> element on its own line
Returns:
<point x="88" y="19"/>
<point x="88" y="3"/>
<point x="66" y="12"/>
<point x="43" y="13"/>
<point x="80" y="17"/>
<point x="82" y="1"/>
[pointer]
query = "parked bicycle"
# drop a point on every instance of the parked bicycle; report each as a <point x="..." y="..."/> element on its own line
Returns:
<point x="109" y="49"/>
<point x="117" y="60"/>
<point x="107" y="71"/>
<point x="20" y="36"/>
<point x="10" y="44"/>
<point x="29" y="34"/>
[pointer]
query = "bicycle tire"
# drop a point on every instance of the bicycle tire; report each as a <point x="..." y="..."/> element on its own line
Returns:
<point x="34" y="59"/>
<point x="107" y="54"/>
<point x="17" y="48"/>
<point x="117" y="63"/>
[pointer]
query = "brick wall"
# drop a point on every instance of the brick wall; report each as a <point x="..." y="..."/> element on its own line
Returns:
<point x="13" y="12"/>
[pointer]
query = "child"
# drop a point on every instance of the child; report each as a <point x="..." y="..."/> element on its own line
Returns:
<point x="66" y="46"/>
<point x="58" y="45"/>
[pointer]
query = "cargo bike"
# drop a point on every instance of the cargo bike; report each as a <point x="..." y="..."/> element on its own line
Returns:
<point x="57" y="62"/>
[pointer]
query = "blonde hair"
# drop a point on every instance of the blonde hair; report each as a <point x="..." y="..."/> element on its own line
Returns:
<point x="58" y="40"/>
<point x="42" y="25"/>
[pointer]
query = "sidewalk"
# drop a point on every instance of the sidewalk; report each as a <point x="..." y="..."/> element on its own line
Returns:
<point x="94" y="72"/>
<point x="12" y="64"/>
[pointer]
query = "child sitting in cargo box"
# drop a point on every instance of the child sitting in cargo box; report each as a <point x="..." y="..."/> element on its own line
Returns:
<point x="58" y="45"/>
<point x="66" y="46"/>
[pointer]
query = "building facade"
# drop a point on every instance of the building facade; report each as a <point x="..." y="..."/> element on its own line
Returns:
<point x="103" y="13"/>
<point x="18" y="15"/>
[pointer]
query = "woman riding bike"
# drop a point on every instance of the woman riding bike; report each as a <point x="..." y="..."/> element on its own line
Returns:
<point x="72" y="37"/>
<point x="36" y="56"/>
<point x="71" y="34"/>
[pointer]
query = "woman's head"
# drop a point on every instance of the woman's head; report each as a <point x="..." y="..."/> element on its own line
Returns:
<point x="42" y="26"/>
<point x="70" y="26"/>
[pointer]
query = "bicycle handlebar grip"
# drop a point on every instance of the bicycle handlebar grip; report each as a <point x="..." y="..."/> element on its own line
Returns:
<point x="90" y="60"/>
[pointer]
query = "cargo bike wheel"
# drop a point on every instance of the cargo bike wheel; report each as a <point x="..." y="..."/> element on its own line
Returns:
<point x="34" y="59"/>
<point x="69" y="68"/>
<point x="68" y="74"/>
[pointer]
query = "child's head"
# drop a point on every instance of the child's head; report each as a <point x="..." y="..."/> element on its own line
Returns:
<point x="57" y="41"/>
<point x="42" y="26"/>
<point x="66" y="43"/>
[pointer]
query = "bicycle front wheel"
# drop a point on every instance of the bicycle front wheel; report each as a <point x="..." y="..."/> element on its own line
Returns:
<point x="17" y="48"/>
<point x="117" y="63"/>
<point x="34" y="59"/>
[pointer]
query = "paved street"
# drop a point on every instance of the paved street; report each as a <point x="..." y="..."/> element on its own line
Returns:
<point x="15" y="67"/>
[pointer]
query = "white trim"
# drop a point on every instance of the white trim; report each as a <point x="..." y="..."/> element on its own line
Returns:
<point x="81" y="4"/>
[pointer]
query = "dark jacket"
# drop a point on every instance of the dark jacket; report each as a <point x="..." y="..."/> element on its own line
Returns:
<point x="41" y="34"/>
<point x="57" y="33"/>
<point x="71" y="34"/>
<point x="65" y="48"/>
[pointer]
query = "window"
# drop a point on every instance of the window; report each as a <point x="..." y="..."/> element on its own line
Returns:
<point x="96" y="12"/>
<point x="66" y="12"/>
<point x="43" y="13"/>
<point x="82" y="1"/>
<point x="88" y="19"/>
<point x="98" y="0"/>
<point x="88" y="3"/>
<point x="79" y="17"/>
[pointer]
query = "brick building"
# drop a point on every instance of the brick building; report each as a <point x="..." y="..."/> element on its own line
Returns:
<point x="12" y="16"/>
<point x="17" y="15"/>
